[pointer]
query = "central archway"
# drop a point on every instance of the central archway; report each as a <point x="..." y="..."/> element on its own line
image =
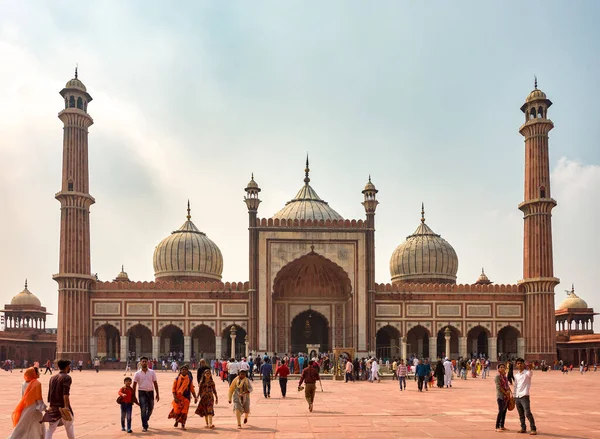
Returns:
<point x="309" y="327"/>
<point x="171" y="342"/>
<point x="417" y="340"/>
<point x="140" y="342"/>
<point x="387" y="343"/>
<point x="477" y="341"/>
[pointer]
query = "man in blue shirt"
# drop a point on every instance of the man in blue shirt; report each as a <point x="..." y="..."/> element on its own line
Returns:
<point x="266" y="370"/>
<point x="427" y="372"/>
<point x="421" y="372"/>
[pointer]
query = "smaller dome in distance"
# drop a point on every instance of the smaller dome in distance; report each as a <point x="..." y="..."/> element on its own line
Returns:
<point x="483" y="279"/>
<point x="573" y="301"/>
<point x="26" y="298"/>
<point x="122" y="276"/>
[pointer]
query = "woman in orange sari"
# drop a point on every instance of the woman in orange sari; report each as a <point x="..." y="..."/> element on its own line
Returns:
<point x="183" y="390"/>
<point x="28" y="413"/>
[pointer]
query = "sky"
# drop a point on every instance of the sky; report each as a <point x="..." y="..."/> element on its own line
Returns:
<point x="192" y="97"/>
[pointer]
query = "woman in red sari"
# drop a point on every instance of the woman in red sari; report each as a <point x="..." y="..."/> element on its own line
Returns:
<point x="183" y="390"/>
<point x="224" y="370"/>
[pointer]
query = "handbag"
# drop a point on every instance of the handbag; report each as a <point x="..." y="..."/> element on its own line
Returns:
<point x="120" y="400"/>
<point x="511" y="402"/>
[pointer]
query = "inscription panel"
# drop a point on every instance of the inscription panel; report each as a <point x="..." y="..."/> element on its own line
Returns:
<point x="171" y="309"/>
<point x="388" y="310"/>
<point x="107" y="309"/>
<point x="418" y="310"/>
<point x="234" y="309"/>
<point x="139" y="309"/>
<point x="479" y="310"/>
<point x="508" y="311"/>
<point x="203" y="309"/>
<point x="449" y="310"/>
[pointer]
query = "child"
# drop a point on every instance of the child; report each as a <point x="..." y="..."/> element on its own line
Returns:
<point x="127" y="400"/>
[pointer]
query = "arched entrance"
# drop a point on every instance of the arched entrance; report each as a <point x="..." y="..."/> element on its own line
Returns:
<point x="203" y="342"/>
<point x="309" y="328"/>
<point x="477" y="341"/>
<point x="441" y="343"/>
<point x="507" y="343"/>
<point x="240" y="342"/>
<point x="171" y="342"/>
<point x="417" y="342"/>
<point x="308" y="280"/>
<point x="387" y="343"/>
<point x="140" y="342"/>
<point x="109" y="342"/>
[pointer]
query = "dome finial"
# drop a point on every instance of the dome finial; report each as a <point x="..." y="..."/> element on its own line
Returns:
<point x="25" y="283"/>
<point x="306" y="171"/>
<point x="76" y="67"/>
<point x="535" y="81"/>
<point x="422" y="212"/>
<point x="369" y="178"/>
<point x="482" y="272"/>
<point x="122" y="267"/>
<point x="189" y="216"/>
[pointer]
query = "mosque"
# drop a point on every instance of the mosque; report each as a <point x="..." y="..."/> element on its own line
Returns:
<point x="311" y="279"/>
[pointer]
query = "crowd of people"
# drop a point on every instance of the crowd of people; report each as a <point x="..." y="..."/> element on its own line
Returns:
<point x="31" y="415"/>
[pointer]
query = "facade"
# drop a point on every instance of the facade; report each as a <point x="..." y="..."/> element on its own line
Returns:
<point x="311" y="281"/>
<point x="25" y="336"/>
<point x="575" y="338"/>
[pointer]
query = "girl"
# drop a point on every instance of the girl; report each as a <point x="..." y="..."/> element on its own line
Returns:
<point x="240" y="389"/>
<point x="208" y="397"/>
<point x="502" y="396"/>
<point x="183" y="390"/>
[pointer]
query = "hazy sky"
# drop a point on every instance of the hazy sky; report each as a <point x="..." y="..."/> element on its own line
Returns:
<point x="190" y="99"/>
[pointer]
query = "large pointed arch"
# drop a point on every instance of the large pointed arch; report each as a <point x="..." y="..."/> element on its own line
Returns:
<point x="312" y="275"/>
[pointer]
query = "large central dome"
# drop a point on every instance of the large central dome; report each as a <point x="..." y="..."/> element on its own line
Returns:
<point x="424" y="257"/>
<point x="187" y="254"/>
<point x="307" y="205"/>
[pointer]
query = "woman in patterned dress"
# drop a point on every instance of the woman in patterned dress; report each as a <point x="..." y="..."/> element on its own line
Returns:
<point x="208" y="397"/>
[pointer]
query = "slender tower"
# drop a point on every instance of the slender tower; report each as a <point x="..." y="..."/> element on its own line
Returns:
<point x="370" y="204"/>
<point x="252" y="201"/>
<point x="538" y="272"/>
<point x="74" y="276"/>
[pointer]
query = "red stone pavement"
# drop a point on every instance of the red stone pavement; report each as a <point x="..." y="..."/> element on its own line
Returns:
<point x="564" y="407"/>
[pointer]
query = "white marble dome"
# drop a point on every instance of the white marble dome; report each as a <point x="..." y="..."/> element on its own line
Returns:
<point x="188" y="254"/>
<point x="307" y="205"/>
<point x="425" y="257"/>
<point x="572" y="301"/>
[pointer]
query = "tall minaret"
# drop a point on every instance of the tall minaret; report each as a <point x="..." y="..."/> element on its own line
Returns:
<point x="252" y="201"/>
<point x="538" y="272"/>
<point x="370" y="204"/>
<point x="74" y="274"/>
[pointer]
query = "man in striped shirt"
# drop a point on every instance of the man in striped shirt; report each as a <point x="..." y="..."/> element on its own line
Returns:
<point x="402" y="372"/>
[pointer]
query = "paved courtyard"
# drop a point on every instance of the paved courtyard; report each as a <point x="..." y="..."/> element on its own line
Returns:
<point x="564" y="407"/>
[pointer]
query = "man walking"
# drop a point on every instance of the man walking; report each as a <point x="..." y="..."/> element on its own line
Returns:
<point x="60" y="411"/>
<point x="447" y="373"/>
<point x="48" y="367"/>
<point x="348" y="368"/>
<point x="427" y="373"/>
<point x="97" y="365"/>
<point x="309" y="377"/>
<point x="146" y="379"/>
<point x="233" y="368"/>
<point x="266" y="370"/>
<point x="420" y="373"/>
<point x="283" y="371"/>
<point x="402" y="372"/>
<point x="521" y="392"/>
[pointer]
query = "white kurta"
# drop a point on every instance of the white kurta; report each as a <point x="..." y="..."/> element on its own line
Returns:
<point x="447" y="373"/>
<point x="374" y="370"/>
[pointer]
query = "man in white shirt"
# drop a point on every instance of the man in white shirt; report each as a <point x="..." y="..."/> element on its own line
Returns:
<point x="146" y="379"/>
<point x="243" y="365"/>
<point x="447" y="372"/>
<point x="521" y="393"/>
<point x="233" y="368"/>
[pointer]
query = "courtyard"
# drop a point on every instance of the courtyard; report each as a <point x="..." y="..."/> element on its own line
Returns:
<point x="564" y="407"/>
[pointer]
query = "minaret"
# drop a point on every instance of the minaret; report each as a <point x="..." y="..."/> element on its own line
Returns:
<point x="538" y="272"/>
<point x="252" y="201"/>
<point x="74" y="276"/>
<point x="370" y="204"/>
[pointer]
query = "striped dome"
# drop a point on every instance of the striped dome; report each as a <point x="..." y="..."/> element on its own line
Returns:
<point x="425" y="257"/>
<point x="188" y="254"/>
<point x="307" y="205"/>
